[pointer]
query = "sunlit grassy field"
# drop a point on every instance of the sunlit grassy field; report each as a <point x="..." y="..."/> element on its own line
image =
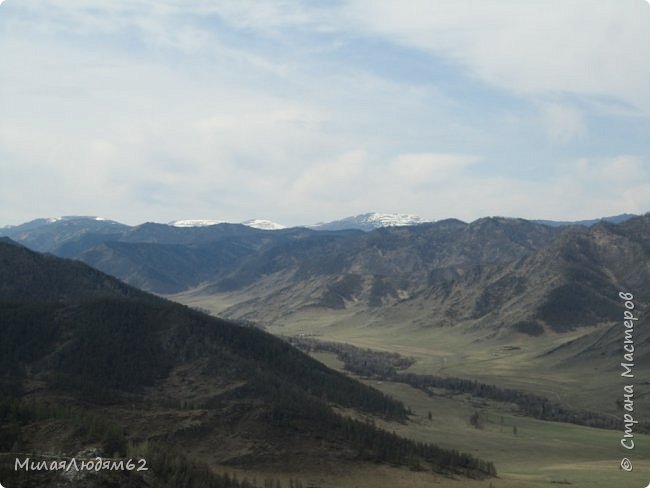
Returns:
<point x="539" y="453"/>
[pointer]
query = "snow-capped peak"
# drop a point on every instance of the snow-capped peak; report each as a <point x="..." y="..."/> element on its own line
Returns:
<point x="195" y="222"/>
<point x="52" y="220"/>
<point x="370" y="221"/>
<point x="390" y="220"/>
<point x="255" y="223"/>
<point x="263" y="224"/>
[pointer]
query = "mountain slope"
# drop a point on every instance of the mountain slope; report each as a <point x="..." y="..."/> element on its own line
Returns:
<point x="502" y="276"/>
<point x="28" y="278"/>
<point x="163" y="259"/>
<point x="46" y="235"/>
<point x="156" y="257"/>
<point x="494" y="273"/>
<point x="388" y="266"/>
<point x="614" y="219"/>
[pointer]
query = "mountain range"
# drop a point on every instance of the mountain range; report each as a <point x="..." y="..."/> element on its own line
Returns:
<point x="507" y="276"/>
<point x="543" y="278"/>
<point x="78" y="343"/>
<point x="366" y="222"/>
<point x="496" y="278"/>
<point x="88" y="360"/>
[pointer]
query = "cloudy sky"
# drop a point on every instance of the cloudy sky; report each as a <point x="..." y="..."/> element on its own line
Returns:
<point x="298" y="112"/>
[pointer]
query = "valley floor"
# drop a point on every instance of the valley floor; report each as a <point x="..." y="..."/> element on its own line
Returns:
<point x="539" y="453"/>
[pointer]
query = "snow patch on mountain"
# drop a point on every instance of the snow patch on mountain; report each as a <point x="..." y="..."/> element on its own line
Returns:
<point x="68" y="218"/>
<point x="263" y="224"/>
<point x="255" y="223"/>
<point x="52" y="220"/>
<point x="370" y="221"/>
<point x="392" y="220"/>
<point x="195" y="222"/>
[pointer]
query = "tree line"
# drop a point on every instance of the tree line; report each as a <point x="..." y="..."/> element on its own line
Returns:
<point x="386" y="366"/>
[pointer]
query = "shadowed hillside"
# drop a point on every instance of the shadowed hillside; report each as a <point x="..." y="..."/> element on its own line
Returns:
<point x="78" y="346"/>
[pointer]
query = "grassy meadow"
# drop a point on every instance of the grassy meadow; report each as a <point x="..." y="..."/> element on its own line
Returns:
<point x="527" y="452"/>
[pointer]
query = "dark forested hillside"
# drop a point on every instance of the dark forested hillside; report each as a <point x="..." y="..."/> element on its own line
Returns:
<point x="92" y="325"/>
<point x="27" y="276"/>
<point x="77" y="345"/>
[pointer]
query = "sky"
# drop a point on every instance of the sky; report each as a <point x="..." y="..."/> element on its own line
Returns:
<point x="301" y="112"/>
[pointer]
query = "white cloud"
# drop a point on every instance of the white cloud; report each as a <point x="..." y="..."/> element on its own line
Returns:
<point x="586" y="189"/>
<point x="138" y="110"/>
<point x="619" y="171"/>
<point x="426" y="168"/>
<point x="339" y="179"/>
<point x="562" y="123"/>
<point x="584" y="47"/>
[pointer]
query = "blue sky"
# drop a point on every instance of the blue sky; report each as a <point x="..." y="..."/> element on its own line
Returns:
<point x="310" y="111"/>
